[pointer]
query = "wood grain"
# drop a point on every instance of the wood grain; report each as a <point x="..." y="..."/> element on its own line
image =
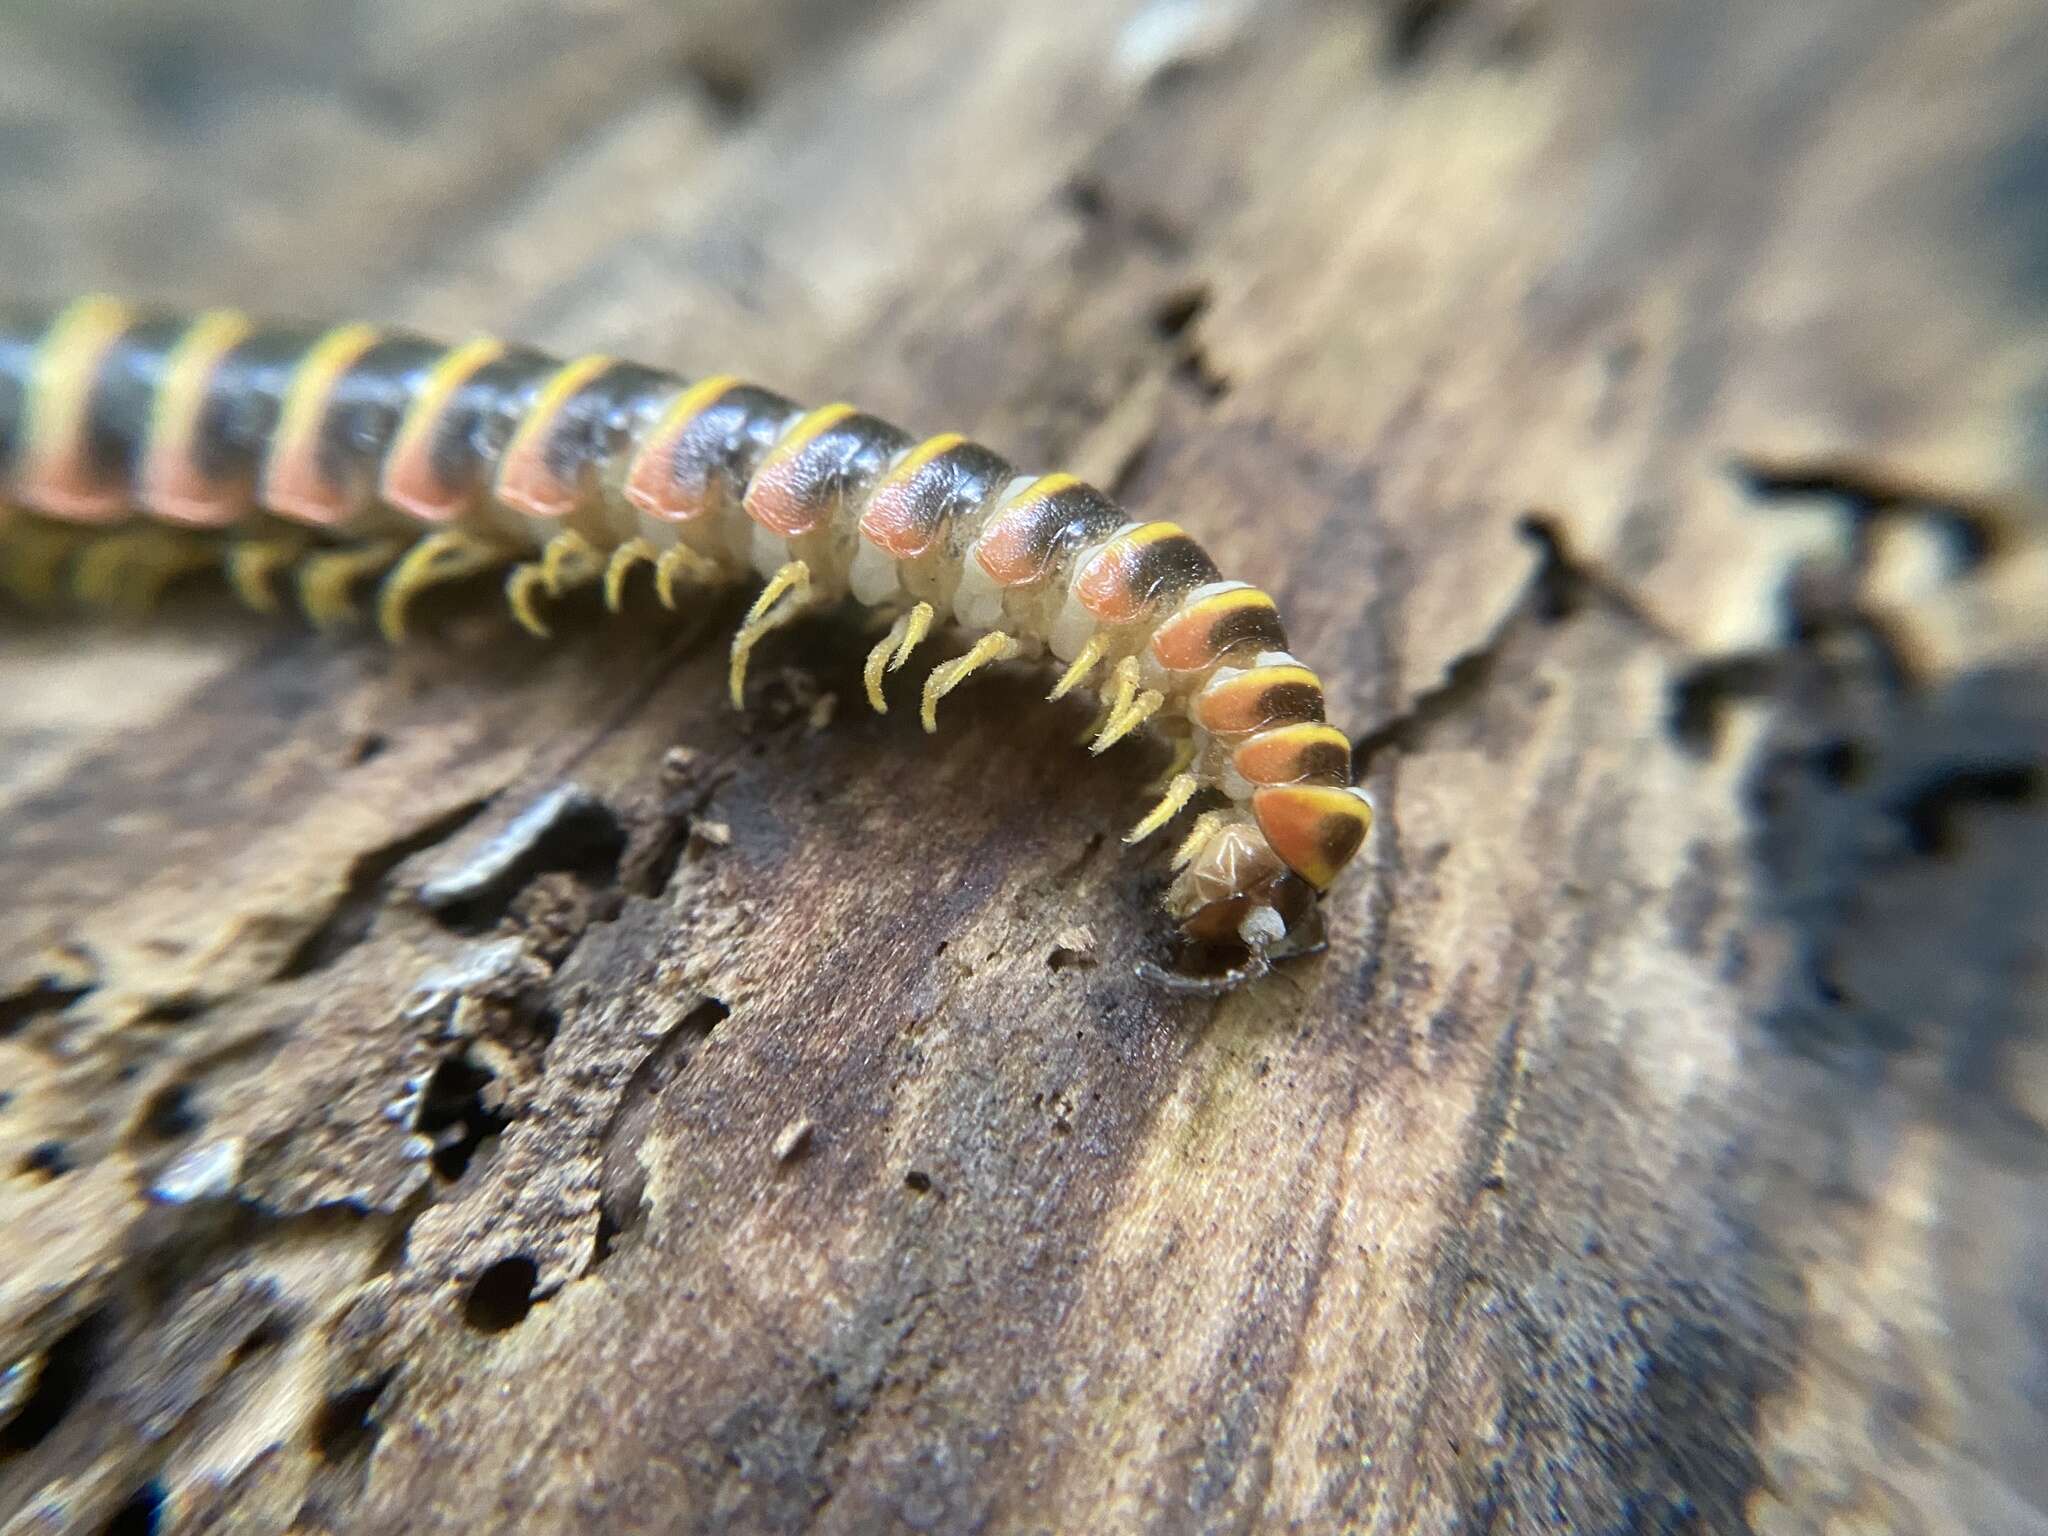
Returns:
<point x="1637" y="410"/>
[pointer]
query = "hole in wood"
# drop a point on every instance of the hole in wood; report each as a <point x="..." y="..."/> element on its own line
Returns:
<point x="343" y="1428"/>
<point x="502" y="1295"/>
<point x="44" y="998"/>
<point x="456" y="1115"/>
<point x="169" y="1114"/>
<point x="140" y="1515"/>
<point x="265" y="1336"/>
<point x="46" y="1160"/>
<point x="67" y="1370"/>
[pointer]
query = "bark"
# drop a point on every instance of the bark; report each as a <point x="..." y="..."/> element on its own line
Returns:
<point x="494" y="1085"/>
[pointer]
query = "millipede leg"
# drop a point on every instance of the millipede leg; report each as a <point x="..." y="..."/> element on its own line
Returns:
<point x="1197" y="839"/>
<point x="1117" y="698"/>
<point x="770" y="612"/>
<point x="1104" y="710"/>
<point x="1077" y="674"/>
<point x="904" y="637"/>
<point x="254" y="566"/>
<point x="878" y="662"/>
<point x="436" y="559"/>
<point x="127" y="572"/>
<point x="792" y="581"/>
<point x="944" y="679"/>
<point x="1128" y="719"/>
<point x="524" y="589"/>
<point x="921" y="618"/>
<point x="568" y="561"/>
<point x="681" y="560"/>
<point x="1177" y="796"/>
<point x="327" y="582"/>
<point x="629" y="554"/>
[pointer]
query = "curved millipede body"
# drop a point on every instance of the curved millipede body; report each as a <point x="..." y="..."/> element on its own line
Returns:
<point x="135" y="447"/>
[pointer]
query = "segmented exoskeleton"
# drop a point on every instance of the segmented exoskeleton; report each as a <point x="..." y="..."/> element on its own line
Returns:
<point x="135" y="447"/>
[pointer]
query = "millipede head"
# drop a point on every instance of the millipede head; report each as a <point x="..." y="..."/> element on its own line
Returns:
<point x="1236" y="890"/>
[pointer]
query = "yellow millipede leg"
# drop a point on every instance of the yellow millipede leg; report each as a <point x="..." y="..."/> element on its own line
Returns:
<point x="1077" y="674"/>
<point x="792" y="580"/>
<point x="921" y="619"/>
<point x="566" y="562"/>
<point x="570" y="561"/>
<point x="255" y="565"/>
<point x="524" y="589"/>
<point x="1197" y="839"/>
<point x="620" y="566"/>
<point x="681" y="560"/>
<point x="1177" y="796"/>
<point x="904" y="637"/>
<point x="1128" y="719"/>
<point x="944" y="679"/>
<point x="1126" y="707"/>
<point x="878" y="662"/>
<point x="438" y="558"/>
<point x="1123" y="688"/>
<point x="327" y="581"/>
<point x="1103" y="713"/>
<point x="127" y="572"/>
<point x="1112" y="699"/>
<point x="770" y="612"/>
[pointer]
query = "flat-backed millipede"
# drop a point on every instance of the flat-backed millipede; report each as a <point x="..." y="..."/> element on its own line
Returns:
<point x="135" y="447"/>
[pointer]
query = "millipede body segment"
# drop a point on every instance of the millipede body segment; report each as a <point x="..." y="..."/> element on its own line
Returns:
<point x="135" y="447"/>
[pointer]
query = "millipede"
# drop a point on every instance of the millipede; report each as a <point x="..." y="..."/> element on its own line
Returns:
<point x="139" y="447"/>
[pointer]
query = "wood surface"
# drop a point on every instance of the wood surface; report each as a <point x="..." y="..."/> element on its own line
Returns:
<point x="493" y="1085"/>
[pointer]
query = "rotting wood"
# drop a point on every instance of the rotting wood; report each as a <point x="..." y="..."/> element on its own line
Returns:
<point x="1636" y="410"/>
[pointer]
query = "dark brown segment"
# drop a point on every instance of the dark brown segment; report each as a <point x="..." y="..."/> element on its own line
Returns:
<point x="600" y="418"/>
<point x="1209" y="629"/>
<point x="1295" y="754"/>
<point x="1324" y="763"/>
<point x="1316" y="829"/>
<point x="583" y="417"/>
<point x="117" y="416"/>
<point x="245" y="399"/>
<point x="1048" y="520"/>
<point x="367" y="405"/>
<point x="1172" y="566"/>
<point x="1125" y="578"/>
<point x="716" y="453"/>
<point x="1247" y="628"/>
<point x="908" y="512"/>
<point x="483" y="414"/>
<point x="1235" y="704"/>
<point x="1292" y="703"/>
<point x="803" y="482"/>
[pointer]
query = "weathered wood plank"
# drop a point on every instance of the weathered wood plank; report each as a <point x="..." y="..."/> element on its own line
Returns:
<point x="788" y="1146"/>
